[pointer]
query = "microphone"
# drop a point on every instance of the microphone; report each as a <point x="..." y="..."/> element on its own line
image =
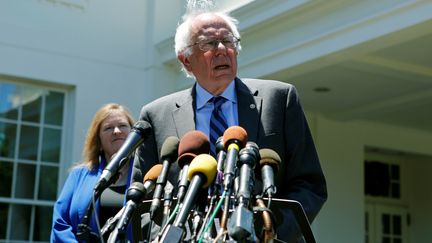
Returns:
<point x="169" y="153"/>
<point x="201" y="173"/>
<point x="221" y="154"/>
<point x="134" y="196"/>
<point x="168" y="196"/>
<point x="192" y="143"/>
<point x="235" y="138"/>
<point x="269" y="162"/>
<point x="241" y="221"/>
<point x="140" y="131"/>
<point x="247" y="160"/>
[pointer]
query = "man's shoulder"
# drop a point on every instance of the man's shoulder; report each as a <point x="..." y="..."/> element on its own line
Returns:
<point x="172" y="98"/>
<point x="169" y="101"/>
<point x="267" y="83"/>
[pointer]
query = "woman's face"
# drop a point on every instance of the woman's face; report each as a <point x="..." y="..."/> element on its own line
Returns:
<point x="113" y="132"/>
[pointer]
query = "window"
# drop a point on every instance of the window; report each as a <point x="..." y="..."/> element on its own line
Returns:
<point x="386" y="213"/>
<point x="382" y="179"/>
<point x="386" y="224"/>
<point x="31" y="130"/>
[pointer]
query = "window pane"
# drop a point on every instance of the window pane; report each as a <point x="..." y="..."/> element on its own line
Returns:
<point x="54" y="108"/>
<point x="395" y="172"/>
<point x="28" y="142"/>
<point x="48" y="183"/>
<point x="4" y="208"/>
<point x="386" y="240"/>
<point x="21" y="215"/>
<point x="377" y="179"/>
<point x="42" y="226"/>
<point x="386" y="223"/>
<point x="25" y="181"/>
<point x="32" y="109"/>
<point x="6" y="172"/>
<point x="8" y="104"/>
<point x="397" y="225"/>
<point x="7" y="139"/>
<point x="51" y="145"/>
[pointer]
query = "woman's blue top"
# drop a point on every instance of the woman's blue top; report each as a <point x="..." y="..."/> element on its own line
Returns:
<point x="71" y="205"/>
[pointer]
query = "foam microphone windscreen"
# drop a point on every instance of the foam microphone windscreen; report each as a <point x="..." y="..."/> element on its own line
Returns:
<point x="153" y="173"/>
<point x="205" y="164"/>
<point x="235" y="133"/>
<point x="169" y="149"/>
<point x="270" y="157"/>
<point x="142" y="127"/>
<point x="191" y="144"/>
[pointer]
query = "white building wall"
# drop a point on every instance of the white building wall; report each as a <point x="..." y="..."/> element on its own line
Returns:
<point x="103" y="51"/>
<point x="341" y="155"/>
<point x="341" y="147"/>
<point x="95" y="49"/>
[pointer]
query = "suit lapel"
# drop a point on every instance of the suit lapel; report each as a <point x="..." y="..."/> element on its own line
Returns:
<point x="249" y="116"/>
<point x="184" y="118"/>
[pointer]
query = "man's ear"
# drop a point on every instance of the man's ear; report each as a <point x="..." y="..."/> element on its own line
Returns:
<point x="185" y="61"/>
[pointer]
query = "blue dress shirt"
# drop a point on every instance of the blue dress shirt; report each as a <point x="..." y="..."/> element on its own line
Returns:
<point x="204" y="108"/>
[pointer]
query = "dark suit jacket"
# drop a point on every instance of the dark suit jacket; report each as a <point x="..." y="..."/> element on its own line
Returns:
<point x="271" y="114"/>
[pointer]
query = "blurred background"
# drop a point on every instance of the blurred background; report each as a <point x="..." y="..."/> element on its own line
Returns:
<point x="363" y="70"/>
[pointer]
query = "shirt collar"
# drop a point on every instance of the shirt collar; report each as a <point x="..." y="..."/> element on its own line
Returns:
<point x="203" y="96"/>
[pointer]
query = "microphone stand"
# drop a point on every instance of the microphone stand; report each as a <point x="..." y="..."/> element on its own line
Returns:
<point x="84" y="229"/>
<point x="111" y="223"/>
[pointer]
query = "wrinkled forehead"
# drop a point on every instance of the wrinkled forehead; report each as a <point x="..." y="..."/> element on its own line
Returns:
<point x="209" y="25"/>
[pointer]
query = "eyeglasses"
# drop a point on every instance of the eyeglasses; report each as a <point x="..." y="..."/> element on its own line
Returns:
<point x="229" y="41"/>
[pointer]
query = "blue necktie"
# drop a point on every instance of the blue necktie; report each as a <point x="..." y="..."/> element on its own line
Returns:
<point x="218" y="124"/>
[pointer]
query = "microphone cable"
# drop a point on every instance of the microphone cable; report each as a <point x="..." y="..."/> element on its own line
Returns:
<point x="213" y="216"/>
<point x="97" y="219"/>
<point x="171" y="217"/>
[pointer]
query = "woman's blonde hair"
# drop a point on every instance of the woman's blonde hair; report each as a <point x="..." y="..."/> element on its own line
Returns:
<point x="93" y="146"/>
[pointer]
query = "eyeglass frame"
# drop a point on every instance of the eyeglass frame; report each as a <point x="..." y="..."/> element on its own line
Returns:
<point x="216" y="43"/>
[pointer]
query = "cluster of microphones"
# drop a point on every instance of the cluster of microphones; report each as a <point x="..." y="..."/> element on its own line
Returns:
<point x="214" y="198"/>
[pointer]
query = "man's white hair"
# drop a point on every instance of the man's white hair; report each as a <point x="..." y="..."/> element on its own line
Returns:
<point x="183" y="33"/>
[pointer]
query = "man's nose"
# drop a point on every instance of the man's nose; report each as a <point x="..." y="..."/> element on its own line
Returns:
<point x="220" y="47"/>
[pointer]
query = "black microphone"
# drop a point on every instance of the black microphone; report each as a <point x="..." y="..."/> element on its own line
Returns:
<point x="220" y="158"/>
<point x="140" y="131"/>
<point x="269" y="162"/>
<point x="248" y="156"/>
<point x="169" y="154"/>
<point x="221" y="154"/>
<point x="201" y="173"/>
<point x="192" y="143"/>
<point x="241" y="220"/>
<point x="134" y="196"/>
<point x="168" y="196"/>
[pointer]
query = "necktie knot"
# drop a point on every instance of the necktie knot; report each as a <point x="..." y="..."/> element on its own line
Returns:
<point x="218" y="101"/>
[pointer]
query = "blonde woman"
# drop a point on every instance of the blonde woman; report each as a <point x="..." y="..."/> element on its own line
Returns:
<point x="107" y="132"/>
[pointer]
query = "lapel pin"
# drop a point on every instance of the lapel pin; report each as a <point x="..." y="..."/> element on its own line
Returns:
<point x="252" y="106"/>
